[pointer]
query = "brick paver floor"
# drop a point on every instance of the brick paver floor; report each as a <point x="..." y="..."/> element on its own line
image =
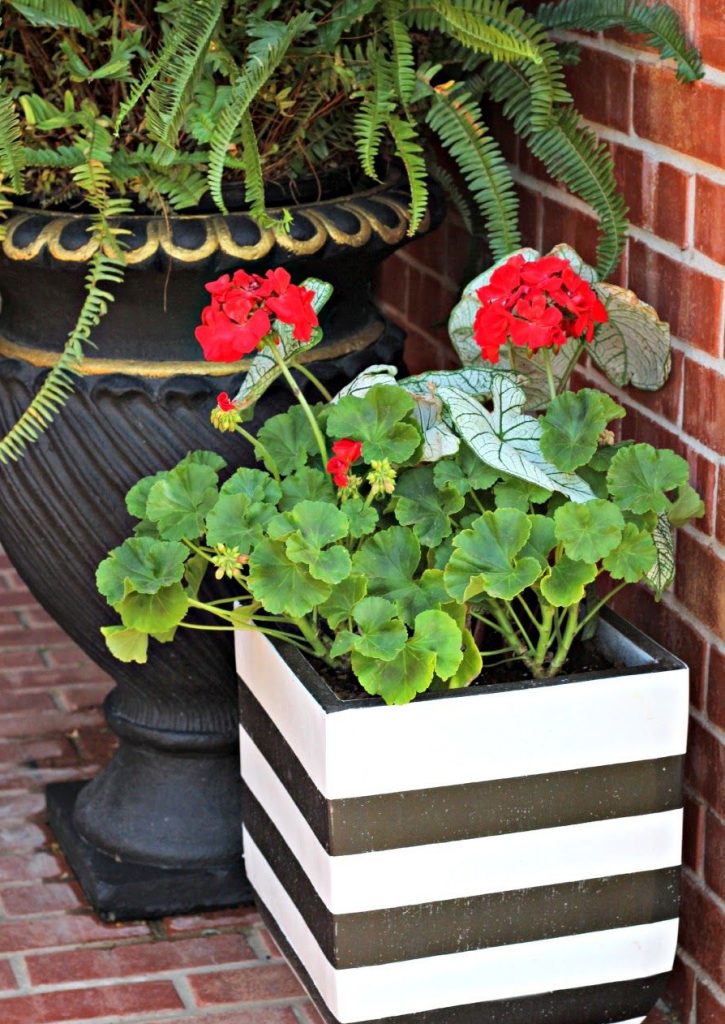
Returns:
<point x="59" y="963"/>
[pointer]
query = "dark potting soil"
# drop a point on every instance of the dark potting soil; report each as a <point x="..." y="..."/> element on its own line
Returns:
<point x="583" y="658"/>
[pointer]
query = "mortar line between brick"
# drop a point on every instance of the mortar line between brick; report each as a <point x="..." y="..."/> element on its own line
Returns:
<point x="20" y="970"/>
<point x="715" y="731"/>
<point x="707" y="634"/>
<point x="699" y="971"/>
<point x="183" y="990"/>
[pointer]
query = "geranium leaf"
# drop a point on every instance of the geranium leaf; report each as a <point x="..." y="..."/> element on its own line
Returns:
<point x="179" y="502"/>
<point x="633" y="346"/>
<point x="571" y="426"/>
<point x="639" y="476"/>
<point x="465" y="473"/>
<point x="306" y="483"/>
<point x="485" y="557"/>
<point x="339" y="605"/>
<point x="138" y="496"/>
<point x="662" y="573"/>
<point x="565" y="584"/>
<point x="381" y="633"/>
<point x="144" y="563"/>
<point x="377" y="420"/>
<point x="237" y="522"/>
<point x="633" y="558"/>
<point x="288" y="439"/>
<point x="589" y="531"/>
<point x="282" y="586"/>
<point x="520" y="494"/>
<point x="203" y="458"/>
<point x="471" y="663"/>
<point x="362" y="518"/>
<point x="319" y="522"/>
<point x="154" y="613"/>
<point x="508" y="440"/>
<point x="434" y="649"/>
<point x="428" y="510"/>
<point x="254" y="484"/>
<point x="389" y="560"/>
<point x="332" y="565"/>
<point x="687" y="505"/>
<point x="542" y="539"/>
<point x="126" y="644"/>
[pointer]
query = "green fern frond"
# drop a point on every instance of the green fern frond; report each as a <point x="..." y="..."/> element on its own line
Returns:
<point x="54" y="14"/>
<point x="60" y="382"/>
<point x="256" y="72"/>
<point x="454" y="196"/>
<point x="179" y="67"/>
<point x="253" y="176"/>
<point x="371" y="118"/>
<point x="454" y="118"/>
<point x="12" y="159"/>
<point x="573" y="154"/>
<point x="475" y="31"/>
<point x="658" y="23"/>
<point x="342" y="17"/>
<point x="403" y="64"/>
<point x="61" y="156"/>
<point x="410" y="152"/>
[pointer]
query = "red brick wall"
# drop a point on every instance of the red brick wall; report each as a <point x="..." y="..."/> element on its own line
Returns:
<point x="668" y="141"/>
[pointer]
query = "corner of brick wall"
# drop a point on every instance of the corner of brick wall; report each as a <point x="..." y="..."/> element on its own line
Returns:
<point x="668" y="143"/>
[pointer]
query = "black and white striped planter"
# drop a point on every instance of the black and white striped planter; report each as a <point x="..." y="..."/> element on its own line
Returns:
<point x="499" y="855"/>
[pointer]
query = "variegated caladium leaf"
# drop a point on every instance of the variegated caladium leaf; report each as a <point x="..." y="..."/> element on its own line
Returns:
<point x="509" y="440"/>
<point x="378" y="373"/>
<point x="662" y="573"/>
<point x="264" y="369"/>
<point x="633" y="346"/>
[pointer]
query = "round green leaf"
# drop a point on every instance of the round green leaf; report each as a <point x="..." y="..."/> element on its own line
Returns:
<point x="339" y="605"/>
<point x="126" y="644"/>
<point x="362" y="518"/>
<point x="389" y="561"/>
<point x="572" y="424"/>
<point x="179" y="502"/>
<point x="688" y="505"/>
<point x="566" y="583"/>
<point x="520" y="494"/>
<point x="427" y="510"/>
<point x="154" y="613"/>
<point x="465" y="473"/>
<point x="237" y="523"/>
<point x="590" y="530"/>
<point x="484" y="559"/>
<point x="255" y="485"/>
<point x="376" y="419"/>
<point x="381" y="633"/>
<point x="288" y="439"/>
<point x="639" y="476"/>
<point x="331" y="565"/>
<point x="306" y="483"/>
<point x="634" y="557"/>
<point x="283" y="587"/>
<point x="145" y="564"/>
<point x="138" y="496"/>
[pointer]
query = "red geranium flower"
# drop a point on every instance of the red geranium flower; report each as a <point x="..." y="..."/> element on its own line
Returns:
<point x="224" y="402"/>
<point x="345" y="452"/>
<point x="294" y="307"/>
<point x="225" y="341"/>
<point x="535" y="304"/>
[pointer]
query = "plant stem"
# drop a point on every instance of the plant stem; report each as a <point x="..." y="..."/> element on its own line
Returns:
<point x="547" y="619"/>
<point x="570" y="631"/>
<point x="313" y="380"/>
<point x="257" y="446"/>
<point x="600" y="604"/>
<point x="296" y="391"/>
<point x="518" y="643"/>
<point x="311" y="636"/>
<point x="546" y="356"/>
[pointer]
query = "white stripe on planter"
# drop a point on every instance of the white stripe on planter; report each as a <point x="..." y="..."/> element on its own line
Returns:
<point x="470" y="867"/>
<point x="413" y="986"/>
<point x="559" y="727"/>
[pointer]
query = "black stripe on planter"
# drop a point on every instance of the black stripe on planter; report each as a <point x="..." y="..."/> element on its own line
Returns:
<point x="393" y="934"/>
<point x="391" y="820"/>
<point x="593" y="1004"/>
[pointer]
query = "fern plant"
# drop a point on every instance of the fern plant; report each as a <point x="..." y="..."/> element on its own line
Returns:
<point x="158" y="102"/>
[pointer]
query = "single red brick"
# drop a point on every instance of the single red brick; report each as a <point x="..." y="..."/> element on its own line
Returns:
<point x="687" y="299"/>
<point x="55" y="750"/>
<point x="565" y="224"/>
<point x="16" y="600"/>
<point x="15" y="868"/>
<point x="691" y="119"/>
<point x="429" y="301"/>
<point x="391" y="285"/>
<point x="26" y="700"/>
<point x="40" y="899"/>
<point x="694" y="834"/>
<point x="138" y="958"/>
<point x="705" y="765"/>
<point x="629" y="167"/>
<point x="251" y="984"/>
<point x="43" y="636"/>
<point x="69" y="656"/>
<point x="19" y="657"/>
<point x="63" y="930"/>
<point x="425" y="354"/>
<point x="715" y="854"/>
<point x="716" y="689"/>
<point x="46" y="722"/>
<point x="710" y="1008"/>
<point x="680" y="992"/>
<point x="21" y="836"/>
<point x="426" y="251"/>
<point x="601" y="85"/>
<point x="667" y="207"/>
<point x="84" y="695"/>
<point x="700" y="582"/>
<point x="702" y="928"/>
<point x="21" y="804"/>
<point x="217" y="919"/>
<point x="711" y="39"/>
<point x="710" y="219"/>
<point x="115" y="1001"/>
<point x="241" y="1015"/>
<point x="7" y="978"/>
<point x="39" y="677"/>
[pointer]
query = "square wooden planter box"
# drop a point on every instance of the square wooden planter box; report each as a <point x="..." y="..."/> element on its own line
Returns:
<point x="498" y="855"/>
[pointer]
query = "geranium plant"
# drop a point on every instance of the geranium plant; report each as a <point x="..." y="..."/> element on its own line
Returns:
<point x="416" y="533"/>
